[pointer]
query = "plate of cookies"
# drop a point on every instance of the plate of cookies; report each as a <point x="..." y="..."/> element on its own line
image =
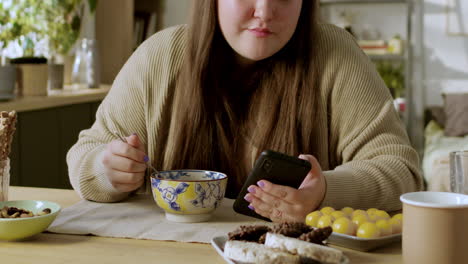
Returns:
<point x="362" y="230"/>
<point x="279" y="243"/>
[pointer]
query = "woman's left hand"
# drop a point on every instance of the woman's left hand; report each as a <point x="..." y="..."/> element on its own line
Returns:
<point x="282" y="203"/>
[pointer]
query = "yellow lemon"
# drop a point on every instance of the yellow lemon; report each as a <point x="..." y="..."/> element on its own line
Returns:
<point x="396" y="225"/>
<point x="368" y="230"/>
<point x="324" y="221"/>
<point x="374" y="218"/>
<point x="385" y="227"/>
<point x="371" y="211"/>
<point x="312" y="218"/>
<point x="359" y="212"/>
<point x="344" y="226"/>
<point x="337" y="214"/>
<point x="398" y="216"/>
<point x="327" y="210"/>
<point x="348" y="211"/>
<point x="382" y="214"/>
<point x="358" y="220"/>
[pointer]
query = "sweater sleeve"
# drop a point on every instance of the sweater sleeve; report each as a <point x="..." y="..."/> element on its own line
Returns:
<point x="368" y="138"/>
<point x="123" y="111"/>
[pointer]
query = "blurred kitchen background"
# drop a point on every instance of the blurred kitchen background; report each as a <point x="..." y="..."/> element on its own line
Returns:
<point x="60" y="57"/>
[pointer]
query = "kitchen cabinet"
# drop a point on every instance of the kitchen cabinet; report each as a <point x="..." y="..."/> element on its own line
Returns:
<point x="42" y="140"/>
<point x="46" y="128"/>
<point x="37" y="132"/>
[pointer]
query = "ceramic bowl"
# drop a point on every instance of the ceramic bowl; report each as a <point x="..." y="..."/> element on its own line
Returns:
<point x="188" y="195"/>
<point x="20" y="228"/>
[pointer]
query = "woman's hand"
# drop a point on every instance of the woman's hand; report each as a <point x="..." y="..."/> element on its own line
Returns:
<point x="282" y="203"/>
<point x="124" y="163"/>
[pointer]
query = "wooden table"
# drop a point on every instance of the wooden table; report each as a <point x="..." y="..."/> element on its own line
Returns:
<point x="57" y="248"/>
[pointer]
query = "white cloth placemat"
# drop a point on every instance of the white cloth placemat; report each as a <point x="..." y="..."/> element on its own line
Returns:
<point x="139" y="217"/>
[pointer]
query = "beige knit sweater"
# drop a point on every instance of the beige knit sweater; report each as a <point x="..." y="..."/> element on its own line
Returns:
<point x="363" y="147"/>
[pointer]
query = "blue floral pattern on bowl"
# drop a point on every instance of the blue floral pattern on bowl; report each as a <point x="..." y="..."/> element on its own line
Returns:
<point x="169" y="194"/>
<point x="206" y="197"/>
<point x="214" y="175"/>
<point x="171" y="175"/>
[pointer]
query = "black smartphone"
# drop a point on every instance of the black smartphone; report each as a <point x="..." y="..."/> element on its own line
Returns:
<point x="274" y="167"/>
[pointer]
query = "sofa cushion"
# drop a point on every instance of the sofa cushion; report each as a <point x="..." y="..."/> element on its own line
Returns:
<point x="456" y="114"/>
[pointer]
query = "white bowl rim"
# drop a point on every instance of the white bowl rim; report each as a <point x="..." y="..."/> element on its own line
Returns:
<point x="30" y="218"/>
<point x="418" y="199"/>
<point x="189" y="170"/>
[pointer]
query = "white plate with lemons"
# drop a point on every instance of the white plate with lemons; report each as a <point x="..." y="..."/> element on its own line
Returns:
<point x="362" y="244"/>
<point x="362" y="230"/>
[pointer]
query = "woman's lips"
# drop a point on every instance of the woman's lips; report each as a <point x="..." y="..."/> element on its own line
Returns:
<point x="260" y="32"/>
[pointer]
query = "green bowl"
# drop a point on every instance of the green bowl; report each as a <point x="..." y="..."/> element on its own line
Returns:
<point x="19" y="228"/>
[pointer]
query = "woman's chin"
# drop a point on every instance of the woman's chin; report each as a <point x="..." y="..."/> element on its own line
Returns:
<point x="251" y="58"/>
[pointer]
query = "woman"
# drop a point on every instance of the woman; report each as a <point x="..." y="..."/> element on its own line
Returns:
<point x="245" y="76"/>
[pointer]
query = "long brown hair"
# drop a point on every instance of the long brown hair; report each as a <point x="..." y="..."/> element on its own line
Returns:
<point x="211" y="117"/>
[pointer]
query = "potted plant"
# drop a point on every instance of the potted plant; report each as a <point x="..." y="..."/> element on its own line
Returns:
<point x="393" y="76"/>
<point x="63" y="28"/>
<point x="24" y="28"/>
<point x="56" y="22"/>
<point x="7" y="72"/>
<point x="64" y="20"/>
<point x="11" y="29"/>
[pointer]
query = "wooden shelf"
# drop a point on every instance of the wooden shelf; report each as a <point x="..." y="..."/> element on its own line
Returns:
<point x="57" y="98"/>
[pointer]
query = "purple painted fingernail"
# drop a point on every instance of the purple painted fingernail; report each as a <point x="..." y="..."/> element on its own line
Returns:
<point x="248" y="198"/>
<point x="251" y="189"/>
<point x="261" y="184"/>
<point x="146" y="159"/>
<point x="251" y="207"/>
<point x="134" y="134"/>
